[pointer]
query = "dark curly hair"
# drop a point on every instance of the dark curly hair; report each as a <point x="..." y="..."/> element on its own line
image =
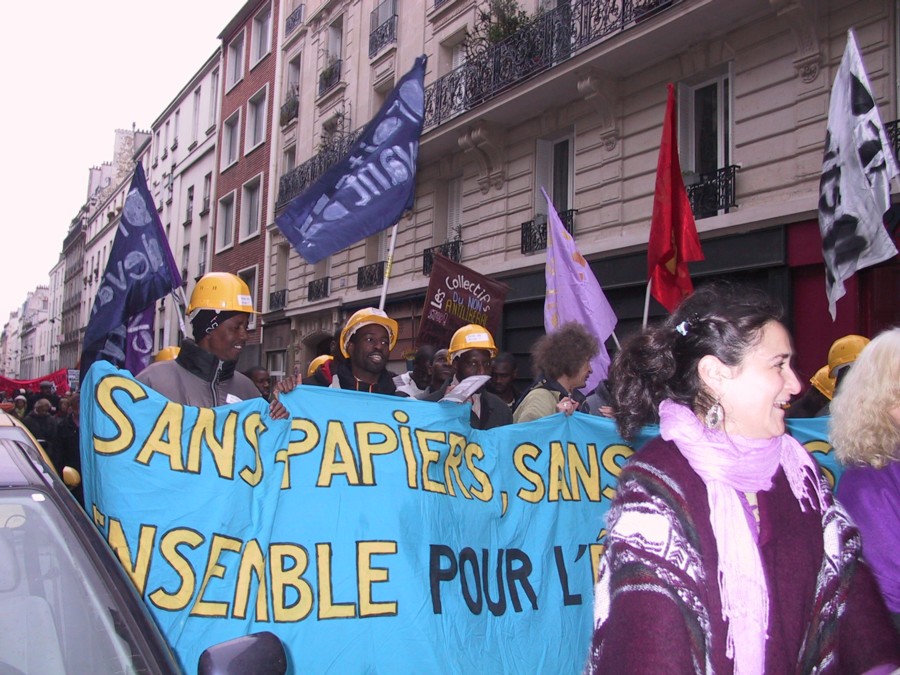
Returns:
<point x="721" y="319"/>
<point x="564" y="351"/>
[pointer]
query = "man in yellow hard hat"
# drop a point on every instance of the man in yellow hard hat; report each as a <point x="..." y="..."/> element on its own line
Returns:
<point x="471" y="350"/>
<point x="365" y="342"/>
<point x="203" y="373"/>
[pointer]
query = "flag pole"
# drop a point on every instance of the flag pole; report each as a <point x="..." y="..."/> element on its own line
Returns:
<point x="647" y="304"/>
<point x="387" y="266"/>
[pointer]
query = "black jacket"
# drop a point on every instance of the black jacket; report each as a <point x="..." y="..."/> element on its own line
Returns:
<point x="494" y="412"/>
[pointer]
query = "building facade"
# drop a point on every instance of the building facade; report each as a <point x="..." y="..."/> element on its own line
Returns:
<point x="33" y="334"/>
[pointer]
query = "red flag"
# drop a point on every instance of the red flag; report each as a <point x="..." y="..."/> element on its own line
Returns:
<point x="673" y="234"/>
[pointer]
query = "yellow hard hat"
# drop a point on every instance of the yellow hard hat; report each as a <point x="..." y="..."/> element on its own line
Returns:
<point x="366" y="317"/>
<point x="317" y="362"/>
<point x="471" y="336"/>
<point x="221" y="292"/>
<point x="823" y="382"/>
<point x="167" y="353"/>
<point x="844" y="351"/>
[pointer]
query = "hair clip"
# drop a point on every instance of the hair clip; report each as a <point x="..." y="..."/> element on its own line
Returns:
<point x="682" y="328"/>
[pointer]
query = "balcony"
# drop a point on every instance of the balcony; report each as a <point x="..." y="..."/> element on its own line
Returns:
<point x="451" y="249"/>
<point x="713" y="192"/>
<point x="370" y="276"/>
<point x="547" y="40"/>
<point x="383" y="34"/>
<point x="534" y="232"/>
<point x="318" y="289"/>
<point x="295" y="181"/>
<point x="330" y="76"/>
<point x="278" y="300"/>
<point x="294" y="20"/>
<point x="290" y="109"/>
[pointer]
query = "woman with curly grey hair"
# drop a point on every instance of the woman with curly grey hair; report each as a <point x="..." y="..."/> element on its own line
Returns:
<point x="717" y="559"/>
<point x="865" y="433"/>
<point x="563" y="359"/>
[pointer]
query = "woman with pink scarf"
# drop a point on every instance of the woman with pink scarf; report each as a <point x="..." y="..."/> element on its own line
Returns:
<point x="725" y="551"/>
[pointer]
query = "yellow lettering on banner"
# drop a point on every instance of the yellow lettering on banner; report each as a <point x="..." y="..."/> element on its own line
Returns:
<point x="520" y="454"/>
<point x="610" y="455"/>
<point x="299" y="447"/>
<point x="214" y="570"/>
<point x="557" y="487"/>
<point x="105" y="400"/>
<point x="429" y="457"/>
<point x="453" y="462"/>
<point x="409" y="454"/>
<point x="485" y="491"/>
<point x="204" y="433"/>
<point x="366" y="435"/>
<point x="253" y="425"/>
<point x="822" y="448"/>
<point x="328" y="608"/>
<point x="253" y="563"/>
<point x="337" y="457"/>
<point x="98" y="517"/>
<point x="582" y="477"/>
<point x="180" y="598"/>
<point x="292" y="577"/>
<point x="367" y="575"/>
<point x="165" y="438"/>
<point x="141" y="567"/>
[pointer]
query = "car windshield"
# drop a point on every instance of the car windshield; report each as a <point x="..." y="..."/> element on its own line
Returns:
<point x="56" y="615"/>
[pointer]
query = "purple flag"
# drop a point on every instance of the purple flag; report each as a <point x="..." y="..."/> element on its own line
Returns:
<point x="574" y="294"/>
<point x="140" y="271"/>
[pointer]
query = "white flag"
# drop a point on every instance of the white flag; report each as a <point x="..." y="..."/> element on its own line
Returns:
<point x="855" y="188"/>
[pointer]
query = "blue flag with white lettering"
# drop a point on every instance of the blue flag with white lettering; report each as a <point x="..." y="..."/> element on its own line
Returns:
<point x="368" y="190"/>
<point x="140" y="271"/>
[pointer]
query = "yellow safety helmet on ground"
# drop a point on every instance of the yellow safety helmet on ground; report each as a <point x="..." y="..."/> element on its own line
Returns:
<point x="823" y="382"/>
<point x="469" y="337"/>
<point x="167" y="353"/>
<point x="221" y="292"/>
<point x="317" y="362"/>
<point x="366" y="317"/>
<point x="845" y="350"/>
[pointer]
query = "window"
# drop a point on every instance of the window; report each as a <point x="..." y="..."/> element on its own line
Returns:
<point x="175" y="129"/>
<point x="165" y="150"/>
<point x="249" y="277"/>
<point x="214" y="98"/>
<point x="156" y="144"/>
<point x="275" y="364"/>
<point x="207" y="191"/>
<point x="225" y="222"/>
<point x="230" y="140"/>
<point x="454" y="209"/>
<point x="201" y="255"/>
<point x="553" y="172"/>
<point x="256" y="120"/>
<point x="282" y="260"/>
<point x="251" y="207"/>
<point x="336" y="39"/>
<point x="235" y="61"/>
<point x="185" y="259"/>
<point x="705" y="115"/>
<point x="382" y="26"/>
<point x="288" y="160"/>
<point x="293" y="77"/>
<point x="195" y="118"/>
<point x="262" y="34"/>
<point x="189" y="210"/>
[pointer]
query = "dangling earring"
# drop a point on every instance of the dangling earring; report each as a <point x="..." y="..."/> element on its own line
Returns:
<point x="714" y="415"/>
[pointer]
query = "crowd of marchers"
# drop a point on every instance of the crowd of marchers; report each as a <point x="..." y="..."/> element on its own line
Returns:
<point x="724" y="543"/>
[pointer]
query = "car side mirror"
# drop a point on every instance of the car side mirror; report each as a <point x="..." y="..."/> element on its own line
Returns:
<point x="254" y="654"/>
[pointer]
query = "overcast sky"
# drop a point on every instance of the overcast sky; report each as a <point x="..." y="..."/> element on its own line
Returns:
<point x="75" y="72"/>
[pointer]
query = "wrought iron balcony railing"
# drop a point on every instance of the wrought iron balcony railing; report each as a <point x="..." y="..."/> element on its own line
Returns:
<point x="713" y="192"/>
<point x="291" y="106"/>
<point x="278" y="300"/>
<point x="295" y="181"/>
<point x="382" y="36"/>
<point x="318" y="289"/>
<point x="330" y="76"/>
<point x="370" y="276"/>
<point x="534" y="232"/>
<point x="550" y="38"/>
<point x="450" y="249"/>
<point x="893" y="133"/>
<point x="294" y="20"/>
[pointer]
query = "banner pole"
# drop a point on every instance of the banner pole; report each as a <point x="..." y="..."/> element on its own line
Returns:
<point x="647" y="304"/>
<point x="387" y="266"/>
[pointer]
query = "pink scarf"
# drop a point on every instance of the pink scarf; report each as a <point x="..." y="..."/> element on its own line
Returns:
<point x="729" y="465"/>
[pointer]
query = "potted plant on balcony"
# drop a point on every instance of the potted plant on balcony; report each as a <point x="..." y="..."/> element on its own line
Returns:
<point x="495" y="20"/>
<point x="329" y="71"/>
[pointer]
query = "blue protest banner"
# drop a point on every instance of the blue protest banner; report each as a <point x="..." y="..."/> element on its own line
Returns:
<point x="370" y="533"/>
<point x="371" y="187"/>
<point x="140" y="271"/>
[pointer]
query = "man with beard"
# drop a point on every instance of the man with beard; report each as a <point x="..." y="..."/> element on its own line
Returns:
<point x="366" y="342"/>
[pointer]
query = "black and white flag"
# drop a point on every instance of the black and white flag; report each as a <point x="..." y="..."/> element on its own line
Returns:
<point x="855" y="188"/>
